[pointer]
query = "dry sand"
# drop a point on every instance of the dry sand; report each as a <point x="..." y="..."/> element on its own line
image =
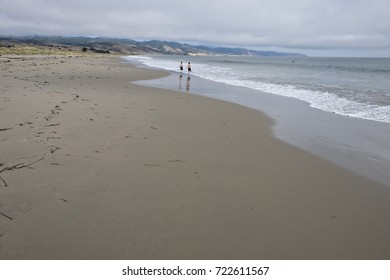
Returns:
<point x="94" y="167"/>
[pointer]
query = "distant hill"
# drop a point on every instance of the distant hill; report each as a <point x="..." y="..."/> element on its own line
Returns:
<point x="128" y="46"/>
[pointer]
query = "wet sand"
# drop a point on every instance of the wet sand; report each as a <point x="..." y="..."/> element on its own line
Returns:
<point x="95" y="167"/>
<point x="361" y="146"/>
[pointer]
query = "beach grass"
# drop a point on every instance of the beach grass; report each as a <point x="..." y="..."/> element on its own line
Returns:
<point x="24" y="49"/>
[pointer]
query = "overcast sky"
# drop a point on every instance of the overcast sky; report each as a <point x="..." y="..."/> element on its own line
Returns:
<point x="314" y="27"/>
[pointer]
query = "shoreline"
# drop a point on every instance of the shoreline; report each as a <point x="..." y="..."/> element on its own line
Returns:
<point x="356" y="144"/>
<point x="134" y="172"/>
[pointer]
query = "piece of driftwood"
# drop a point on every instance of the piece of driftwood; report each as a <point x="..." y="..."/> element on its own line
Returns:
<point x="5" y="215"/>
<point x="17" y="166"/>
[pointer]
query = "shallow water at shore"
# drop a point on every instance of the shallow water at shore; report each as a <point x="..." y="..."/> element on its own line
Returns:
<point x="354" y="87"/>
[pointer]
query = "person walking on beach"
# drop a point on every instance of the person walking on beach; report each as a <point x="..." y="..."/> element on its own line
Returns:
<point x="189" y="68"/>
<point x="181" y="67"/>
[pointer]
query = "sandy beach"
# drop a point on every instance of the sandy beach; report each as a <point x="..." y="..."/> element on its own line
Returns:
<point x="93" y="166"/>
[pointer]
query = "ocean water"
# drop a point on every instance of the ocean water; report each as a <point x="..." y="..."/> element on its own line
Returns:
<point x="354" y="87"/>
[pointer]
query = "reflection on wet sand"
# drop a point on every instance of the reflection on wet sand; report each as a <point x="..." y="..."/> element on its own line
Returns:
<point x="180" y="78"/>
<point x="188" y="85"/>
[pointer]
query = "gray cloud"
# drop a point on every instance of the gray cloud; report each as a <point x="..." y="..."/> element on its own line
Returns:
<point x="299" y="24"/>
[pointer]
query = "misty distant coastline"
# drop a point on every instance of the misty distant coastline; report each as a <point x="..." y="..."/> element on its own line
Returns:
<point x="130" y="47"/>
